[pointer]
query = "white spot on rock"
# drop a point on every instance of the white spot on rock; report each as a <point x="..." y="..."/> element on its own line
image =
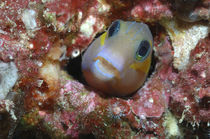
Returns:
<point x="203" y="74"/>
<point x="87" y="26"/>
<point x="151" y="100"/>
<point x="171" y="126"/>
<point x="103" y="6"/>
<point x="29" y="19"/>
<point x="3" y="32"/>
<point x="75" y="53"/>
<point x="64" y="51"/>
<point x="31" y="46"/>
<point x="1" y="45"/>
<point x="8" y="78"/>
<point x="39" y="63"/>
<point x="79" y="15"/>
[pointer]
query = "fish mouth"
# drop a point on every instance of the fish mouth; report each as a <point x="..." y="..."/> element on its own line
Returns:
<point x="105" y="68"/>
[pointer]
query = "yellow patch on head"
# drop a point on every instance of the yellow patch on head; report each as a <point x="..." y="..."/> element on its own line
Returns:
<point x="103" y="37"/>
<point x="141" y="66"/>
<point x="150" y="42"/>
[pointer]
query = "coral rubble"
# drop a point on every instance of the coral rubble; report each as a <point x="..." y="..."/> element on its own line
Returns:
<point x="39" y="37"/>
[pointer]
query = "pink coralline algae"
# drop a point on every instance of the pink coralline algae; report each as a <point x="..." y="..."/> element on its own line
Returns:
<point x="39" y="38"/>
<point x="86" y="112"/>
<point x="81" y="111"/>
<point x="191" y="87"/>
<point x="151" y="100"/>
<point x="151" y="10"/>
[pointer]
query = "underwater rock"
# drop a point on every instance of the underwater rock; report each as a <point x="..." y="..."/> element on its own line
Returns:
<point x="7" y="117"/>
<point x="81" y="111"/>
<point x="191" y="91"/>
<point x="39" y="37"/>
<point x="185" y="10"/>
<point x="184" y="39"/>
<point x="192" y="10"/>
<point x="152" y="10"/>
<point x="11" y="110"/>
<point x="8" y="78"/>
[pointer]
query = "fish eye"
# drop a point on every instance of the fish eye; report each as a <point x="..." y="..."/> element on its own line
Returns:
<point x="143" y="50"/>
<point x="115" y="27"/>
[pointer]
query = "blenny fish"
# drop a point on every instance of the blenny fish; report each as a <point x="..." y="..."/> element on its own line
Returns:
<point x="117" y="62"/>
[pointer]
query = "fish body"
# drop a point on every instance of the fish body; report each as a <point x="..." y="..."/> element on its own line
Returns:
<point x="117" y="62"/>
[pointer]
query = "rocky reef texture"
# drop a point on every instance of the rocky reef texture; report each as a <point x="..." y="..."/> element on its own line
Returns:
<point x="39" y="38"/>
<point x="9" y="76"/>
<point x="192" y="10"/>
<point x="191" y="87"/>
<point x="184" y="39"/>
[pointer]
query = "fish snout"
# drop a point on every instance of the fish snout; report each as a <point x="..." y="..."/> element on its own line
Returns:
<point x="106" y="68"/>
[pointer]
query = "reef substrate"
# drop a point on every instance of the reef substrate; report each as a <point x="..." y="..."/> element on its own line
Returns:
<point x="39" y="98"/>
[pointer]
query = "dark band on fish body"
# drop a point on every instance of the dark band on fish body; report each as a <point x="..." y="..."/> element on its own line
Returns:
<point x="115" y="27"/>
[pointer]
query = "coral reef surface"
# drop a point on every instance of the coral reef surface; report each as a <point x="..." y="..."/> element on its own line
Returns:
<point x="43" y="93"/>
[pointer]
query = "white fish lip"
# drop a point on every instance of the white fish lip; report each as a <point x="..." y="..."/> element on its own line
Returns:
<point x="104" y="70"/>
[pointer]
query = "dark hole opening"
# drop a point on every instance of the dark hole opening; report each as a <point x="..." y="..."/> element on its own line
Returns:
<point x="193" y="132"/>
<point x="194" y="72"/>
<point x="203" y="131"/>
<point x="152" y="67"/>
<point x="204" y="103"/>
<point x="86" y="136"/>
<point x="22" y="132"/>
<point x="65" y="127"/>
<point x="74" y="69"/>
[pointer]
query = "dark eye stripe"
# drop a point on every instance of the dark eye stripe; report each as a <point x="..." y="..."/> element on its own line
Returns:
<point x="143" y="50"/>
<point x="115" y="27"/>
<point x="144" y="47"/>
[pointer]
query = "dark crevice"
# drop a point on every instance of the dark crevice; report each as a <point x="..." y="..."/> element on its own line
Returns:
<point x="65" y="127"/>
<point x="204" y="131"/>
<point x="192" y="132"/>
<point x="29" y="133"/>
<point x="204" y="103"/>
<point x="153" y="64"/>
<point x="74" y="69"/>
<point x="86" y="136"/>
<point x="194" y="72"/>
